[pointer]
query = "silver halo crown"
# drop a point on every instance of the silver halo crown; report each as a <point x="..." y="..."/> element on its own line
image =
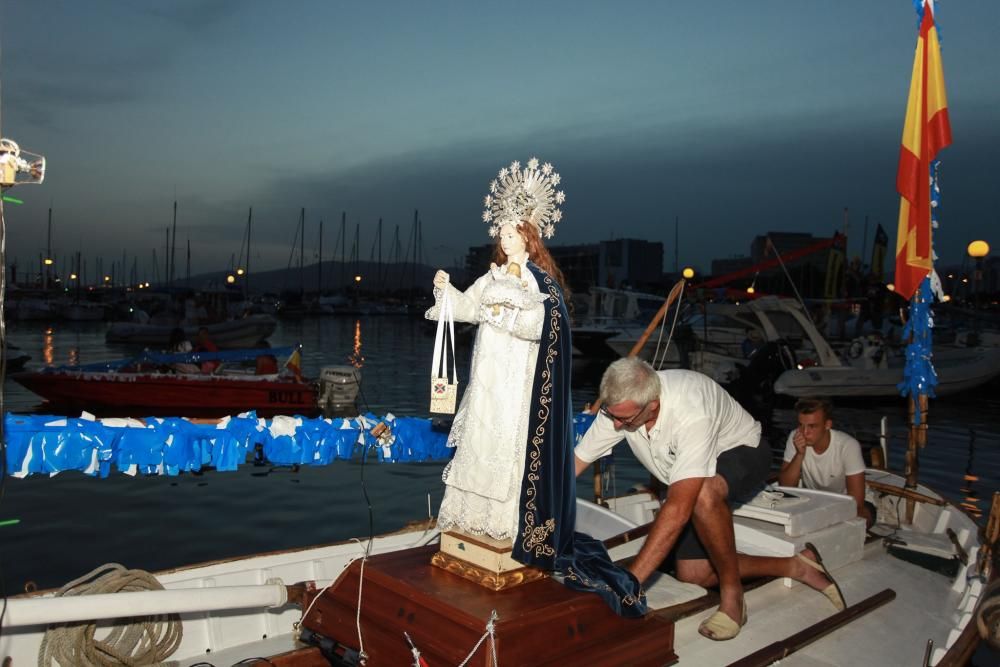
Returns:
<point x="528" y="193"/>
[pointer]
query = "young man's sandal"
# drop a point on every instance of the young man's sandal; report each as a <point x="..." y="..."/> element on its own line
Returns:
<point x="832" y="592"/>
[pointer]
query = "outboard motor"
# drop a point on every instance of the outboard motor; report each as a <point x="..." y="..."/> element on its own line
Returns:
<point x="338" y="390"/>
<point x="754" y="387"/>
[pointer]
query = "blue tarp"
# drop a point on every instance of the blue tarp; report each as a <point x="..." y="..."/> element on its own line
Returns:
<point x="46" y="444"/>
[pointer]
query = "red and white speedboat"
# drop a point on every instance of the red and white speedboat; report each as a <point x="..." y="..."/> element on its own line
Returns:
<point x="204" y="383"/>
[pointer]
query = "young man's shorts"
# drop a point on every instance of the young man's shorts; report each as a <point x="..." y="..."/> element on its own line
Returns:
<point x="745" y="470"/>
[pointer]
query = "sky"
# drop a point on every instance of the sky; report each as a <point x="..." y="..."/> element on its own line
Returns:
<point x="728" y="118"/>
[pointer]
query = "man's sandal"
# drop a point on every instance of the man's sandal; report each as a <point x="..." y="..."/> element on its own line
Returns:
<point x="832" y="592"/>
<point x="720" y="626"/>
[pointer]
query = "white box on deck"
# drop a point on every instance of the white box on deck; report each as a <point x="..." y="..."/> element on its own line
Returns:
<point x="800" y="511"/>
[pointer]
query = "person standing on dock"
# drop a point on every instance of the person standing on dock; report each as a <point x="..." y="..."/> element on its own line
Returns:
<point x="819" y="457"/>
<point x="688" y="432"/>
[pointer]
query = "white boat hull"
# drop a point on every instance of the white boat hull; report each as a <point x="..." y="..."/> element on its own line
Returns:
<point x="927" y="605"/>
<point x="958" y="369"/>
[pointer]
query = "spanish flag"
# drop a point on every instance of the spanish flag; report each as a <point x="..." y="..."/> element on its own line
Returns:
<point x="926" y="130"/>
<point x="294" y="364"/>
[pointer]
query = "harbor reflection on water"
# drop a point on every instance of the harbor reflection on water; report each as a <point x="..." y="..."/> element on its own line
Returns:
<point x="156" y="523"/>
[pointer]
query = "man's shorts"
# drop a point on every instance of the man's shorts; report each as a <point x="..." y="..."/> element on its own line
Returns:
<point x="745" y="470"/>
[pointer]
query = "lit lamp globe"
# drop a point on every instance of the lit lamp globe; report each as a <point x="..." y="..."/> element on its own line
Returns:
<point x="357" y="279"/>
<point x="230" y="279"/>
<point x="688" y="273"/>
<point x="751" y="290"/>
<point x="978" y="249"/>
<point x="240" y="272"/>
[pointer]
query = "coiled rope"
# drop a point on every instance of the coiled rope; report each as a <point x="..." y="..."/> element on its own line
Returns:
<point x="147" y="640"/>
<point x="988" y="616"/>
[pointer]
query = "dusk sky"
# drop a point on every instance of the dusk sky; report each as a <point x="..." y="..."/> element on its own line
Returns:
<point x="736" y="117"/>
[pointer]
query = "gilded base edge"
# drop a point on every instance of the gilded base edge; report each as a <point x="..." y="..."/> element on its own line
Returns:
<point x="491" y="580"/>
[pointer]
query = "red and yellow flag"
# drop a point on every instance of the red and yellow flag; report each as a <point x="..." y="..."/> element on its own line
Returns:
<point x="926" y="130"/>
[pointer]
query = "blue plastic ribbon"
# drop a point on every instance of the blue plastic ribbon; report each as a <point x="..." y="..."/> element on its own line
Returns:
<point x="44" y="444"/>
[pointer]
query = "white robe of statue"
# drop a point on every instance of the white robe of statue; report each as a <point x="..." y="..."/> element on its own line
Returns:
<point x="490" y="430"/>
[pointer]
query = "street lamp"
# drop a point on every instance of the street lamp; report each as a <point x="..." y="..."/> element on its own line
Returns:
<point x="230" y="279"/>
<point x="977" y="250"/>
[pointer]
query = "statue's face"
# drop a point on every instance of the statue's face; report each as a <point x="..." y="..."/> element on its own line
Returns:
<point x="510" y="241"/>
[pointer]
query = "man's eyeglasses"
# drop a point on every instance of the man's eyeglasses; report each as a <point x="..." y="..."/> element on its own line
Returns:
<point x="630" y="421"/>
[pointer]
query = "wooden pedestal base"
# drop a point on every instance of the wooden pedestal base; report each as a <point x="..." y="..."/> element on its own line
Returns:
<point x="539" y="623"/>
<point x="483" y="560"/>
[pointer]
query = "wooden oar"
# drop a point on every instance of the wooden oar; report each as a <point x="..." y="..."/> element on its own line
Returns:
<point x="784" y="647"/>
<point x="909" y="494"/>
<point x="628" y="536"/>
<point x="675" y="291"/>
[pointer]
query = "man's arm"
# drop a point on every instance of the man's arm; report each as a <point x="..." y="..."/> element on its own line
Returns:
<point x="856" y="489"/>
<point x="791" y="471"/>
<point x="599" y="439"/>
<point x="674" y="514"/>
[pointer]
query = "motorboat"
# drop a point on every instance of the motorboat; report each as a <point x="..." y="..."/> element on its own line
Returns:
<point x="202" y="383"/>
<point x="16" y="358"/>
<point x="229" y="334"/>
<point x="609" y="313"/>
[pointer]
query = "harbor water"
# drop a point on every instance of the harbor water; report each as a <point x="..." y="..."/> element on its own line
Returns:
<point x="70" y="523"/>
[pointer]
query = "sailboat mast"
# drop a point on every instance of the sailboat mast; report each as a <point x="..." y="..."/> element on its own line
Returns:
<point x="357" y="247"/>
<point x="319" y="269"/>
<point x="343" y="249"/>
<point x="48" y="253"/>
<point x="302" y="252"/>
<point x="246" y="276"/>
<point x="173" y="246"/>
<point x="166" y="259"/>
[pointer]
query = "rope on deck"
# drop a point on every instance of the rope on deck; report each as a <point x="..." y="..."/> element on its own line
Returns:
<point x="146" y="640"/>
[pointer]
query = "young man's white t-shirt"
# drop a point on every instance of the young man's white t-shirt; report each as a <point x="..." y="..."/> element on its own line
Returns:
<point x="828" y="471"/>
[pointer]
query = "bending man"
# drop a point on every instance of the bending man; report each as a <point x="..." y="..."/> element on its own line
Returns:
<point x="688" y="432"/>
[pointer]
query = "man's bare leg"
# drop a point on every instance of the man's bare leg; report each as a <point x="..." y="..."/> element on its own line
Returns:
<point x="713" y="522"/>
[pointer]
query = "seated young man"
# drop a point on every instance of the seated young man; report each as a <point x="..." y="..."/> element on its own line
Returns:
<point x="819" y="457"/>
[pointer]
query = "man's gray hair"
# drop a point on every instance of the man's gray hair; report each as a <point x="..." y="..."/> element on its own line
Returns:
<point x="630" y="379"/>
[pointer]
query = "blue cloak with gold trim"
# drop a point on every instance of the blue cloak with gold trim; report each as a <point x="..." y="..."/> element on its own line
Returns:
<point x="546" y="537"/>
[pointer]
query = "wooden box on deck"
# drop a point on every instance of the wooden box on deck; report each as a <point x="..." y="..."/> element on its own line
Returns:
<point x="539" y="623"/>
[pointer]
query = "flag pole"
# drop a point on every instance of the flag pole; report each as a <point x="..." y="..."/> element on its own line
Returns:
<point x="926" y="130"/>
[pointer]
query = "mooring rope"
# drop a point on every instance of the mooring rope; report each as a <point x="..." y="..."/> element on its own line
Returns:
<point x="147" y="640"/>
